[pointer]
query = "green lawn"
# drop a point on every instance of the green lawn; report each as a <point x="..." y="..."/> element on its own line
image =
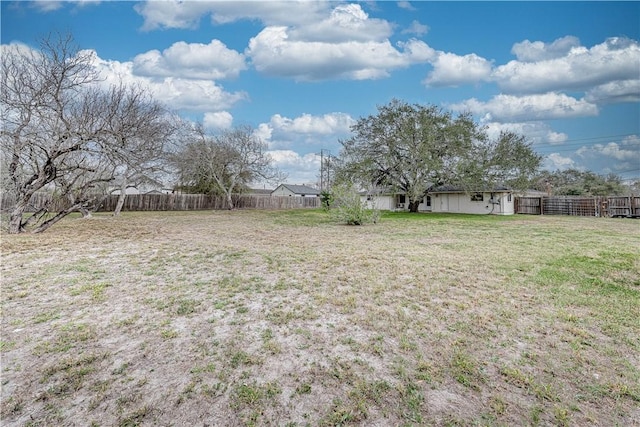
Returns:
<point x="285" y="318"/>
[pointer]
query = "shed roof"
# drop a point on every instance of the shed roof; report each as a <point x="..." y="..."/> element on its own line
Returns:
<point x="300" y="189"/>
<point x="454" y="189"/>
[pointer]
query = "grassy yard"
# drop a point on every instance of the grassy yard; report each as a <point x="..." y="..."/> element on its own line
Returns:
<point x="283" y="318"/>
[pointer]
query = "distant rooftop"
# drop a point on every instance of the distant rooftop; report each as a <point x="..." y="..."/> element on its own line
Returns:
<point x="301" y="189"/>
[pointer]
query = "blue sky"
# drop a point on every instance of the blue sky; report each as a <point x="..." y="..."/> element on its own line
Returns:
<point x="564" y="74"/>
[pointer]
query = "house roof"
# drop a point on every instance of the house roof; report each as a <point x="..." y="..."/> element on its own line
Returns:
<point x="454" y="189"/>
<point x="300" y="189"/>
<point x="259" y="191"/>
<point x="440" y="189"/>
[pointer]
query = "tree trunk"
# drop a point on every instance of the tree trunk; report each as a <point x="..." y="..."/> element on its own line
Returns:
<point x="230" y="201"/>
<point x="120" y="203"/>
<point x="48" y="223"/>
<point x="413" y="205"/>
<point x="121" y="197"/>
<point x="86" y="213"/>
<point x="15" y="218"/>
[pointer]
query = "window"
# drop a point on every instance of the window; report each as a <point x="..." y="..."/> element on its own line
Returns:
<point x="427" y="201"/>
<point x="477" y="197"/>
<point x="509" y="197"/>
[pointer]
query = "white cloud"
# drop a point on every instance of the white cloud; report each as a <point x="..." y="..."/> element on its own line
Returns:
<point x="197" y="95"/>
<point x="272" y="52"/>
<point x="450" y="69"/>
<point x="187" y="14"/>
<point x="416" y="28"/>
<point x="527" y="51"/>
<point x="580" y="68"/>
<point x="347" y="22"/>
<point x="505" y="108"/>
<point x="217" y="120"/>
<point x="621" y="156"/>
<point x="417" y="51"/>
<point x="178" y="93"/>
<point x="291" y="158"/>
<point x="555" y="161"/>
<point x="538" y="133"/>
<point x="305" y="130"/>
<point x="47" y="6"/>
<point x="309" y="40"/>
<point x="191" y="60"/>
<point x="301" y="169"/>
<point x="406" y="5"/>
<point x="618" y="91"/>
<point x="612" y="150"/>
<point x="171" y="14"/>
<point x="306" y="123"/>
<point x="631" y="141"/>
<point x="264" y="132"/>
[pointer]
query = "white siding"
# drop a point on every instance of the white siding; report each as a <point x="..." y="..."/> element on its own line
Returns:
<point x="383" y="203"/>
<point x="462" y="203"/>
<point x="282" y="191"/>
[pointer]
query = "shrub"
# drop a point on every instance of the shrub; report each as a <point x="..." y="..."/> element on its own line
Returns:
<point x="348" y="208"/>
<point x="326" y="199"/>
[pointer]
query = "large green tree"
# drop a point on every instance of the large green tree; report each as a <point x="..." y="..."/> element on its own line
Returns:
<point x="411" y="147"/>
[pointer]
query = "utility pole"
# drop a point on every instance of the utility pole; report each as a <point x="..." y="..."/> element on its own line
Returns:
<point x="321" y="170"/>
<point x="325" y="166"/>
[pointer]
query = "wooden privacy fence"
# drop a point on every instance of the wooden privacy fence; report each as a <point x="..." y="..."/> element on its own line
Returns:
<point x="174" y="202"/>
<point x="192" y="202"/>
<point x="627" y="206"/>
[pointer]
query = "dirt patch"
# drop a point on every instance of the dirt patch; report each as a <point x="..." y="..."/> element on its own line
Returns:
<point x="263" y="318"/>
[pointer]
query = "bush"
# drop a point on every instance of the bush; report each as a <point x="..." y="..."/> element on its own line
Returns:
<point x="326" y="199"/>
<point x="348" y="208"/>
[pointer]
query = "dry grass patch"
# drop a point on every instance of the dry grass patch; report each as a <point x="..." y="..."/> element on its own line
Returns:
<point x="263" y="318"/>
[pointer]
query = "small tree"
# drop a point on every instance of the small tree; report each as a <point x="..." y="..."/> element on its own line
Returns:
<point x="326" y="199"/>
<point x="348" y="208"/>
<point x="225" y="164"/>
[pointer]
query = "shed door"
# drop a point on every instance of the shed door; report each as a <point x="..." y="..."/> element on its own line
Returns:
<point x="444" y="203"/>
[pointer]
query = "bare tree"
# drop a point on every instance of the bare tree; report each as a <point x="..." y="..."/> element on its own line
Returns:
<point x="60" y="131"/>
<point x="142" y="129"/>
<point x="226" y="163"/>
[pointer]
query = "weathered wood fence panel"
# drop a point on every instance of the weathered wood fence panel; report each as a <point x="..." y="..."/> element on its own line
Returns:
<point x="624" y="206"/>
<point x="528" y="205"/>
<point x="175" y="202"/>
<point x="628" y="206"/>
<point x="575" y="206"/>
<point x="182" y="202"/>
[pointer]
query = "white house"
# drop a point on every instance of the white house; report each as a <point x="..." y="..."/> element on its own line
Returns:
<point x="295" y="191"/>
<point x="500" y="201"/>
